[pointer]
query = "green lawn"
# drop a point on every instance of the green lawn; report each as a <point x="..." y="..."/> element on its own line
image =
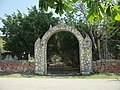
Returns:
<point x="95" y="76"/>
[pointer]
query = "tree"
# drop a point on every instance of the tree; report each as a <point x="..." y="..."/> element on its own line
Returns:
<point x="113" y="39"/>
<point x="96" y="29"/>
<point x="95" y="13"/>
<point x="96" y="8"/>
<point x="22" y="30"/>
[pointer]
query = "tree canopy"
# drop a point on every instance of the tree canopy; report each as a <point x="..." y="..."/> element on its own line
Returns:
<point x="22" y="30"/>
<point x="101" y="32"/>
<point x="96" y="8"/>
<point x="97" y="18"/>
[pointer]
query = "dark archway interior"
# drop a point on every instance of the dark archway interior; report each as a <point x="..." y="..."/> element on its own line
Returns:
<point x="63" y="54"/>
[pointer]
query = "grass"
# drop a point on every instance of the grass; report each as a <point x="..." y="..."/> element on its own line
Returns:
<point x="93" y="76"/>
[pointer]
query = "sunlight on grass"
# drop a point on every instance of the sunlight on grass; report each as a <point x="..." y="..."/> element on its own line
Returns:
<point x="95" y="76"/>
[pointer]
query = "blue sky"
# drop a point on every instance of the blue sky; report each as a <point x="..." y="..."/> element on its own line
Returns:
<point x="10" y="6"/>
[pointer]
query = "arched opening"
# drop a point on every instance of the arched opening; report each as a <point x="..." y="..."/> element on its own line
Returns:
<point x="63" y="54"/>
<point x="85" y="50"/>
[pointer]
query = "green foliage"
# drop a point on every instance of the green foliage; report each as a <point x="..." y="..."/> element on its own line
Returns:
<point x="114" y="39"/>
<point x="96" y="28"/>
<point x="97" y="9"/>
<point x="22" y="30"/>
<point x="91" y="17"/>
<point x="59" y="5"/>
<point x="101" y="10"/>
<point x="117" y="17"/>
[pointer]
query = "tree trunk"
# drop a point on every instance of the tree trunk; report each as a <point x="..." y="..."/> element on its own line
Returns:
<point x="96" y="45"/>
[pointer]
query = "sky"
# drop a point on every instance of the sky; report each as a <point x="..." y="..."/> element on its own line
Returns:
<point x="10" y="6"/>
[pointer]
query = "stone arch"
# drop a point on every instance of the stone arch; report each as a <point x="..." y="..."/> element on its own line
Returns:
<point x="85" y="49"/>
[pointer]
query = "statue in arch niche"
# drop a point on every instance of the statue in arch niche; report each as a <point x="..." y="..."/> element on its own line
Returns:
<point x="85" y="49"/>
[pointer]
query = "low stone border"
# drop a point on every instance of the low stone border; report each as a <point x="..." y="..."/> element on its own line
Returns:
<point x="20" y="66"/>
<point x="110" y="66"/>
<point x="24" y="66"/>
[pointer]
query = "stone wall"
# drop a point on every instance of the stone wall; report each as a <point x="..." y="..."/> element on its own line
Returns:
<point x="21" y="66"/>
<point x="110" y="66"/>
